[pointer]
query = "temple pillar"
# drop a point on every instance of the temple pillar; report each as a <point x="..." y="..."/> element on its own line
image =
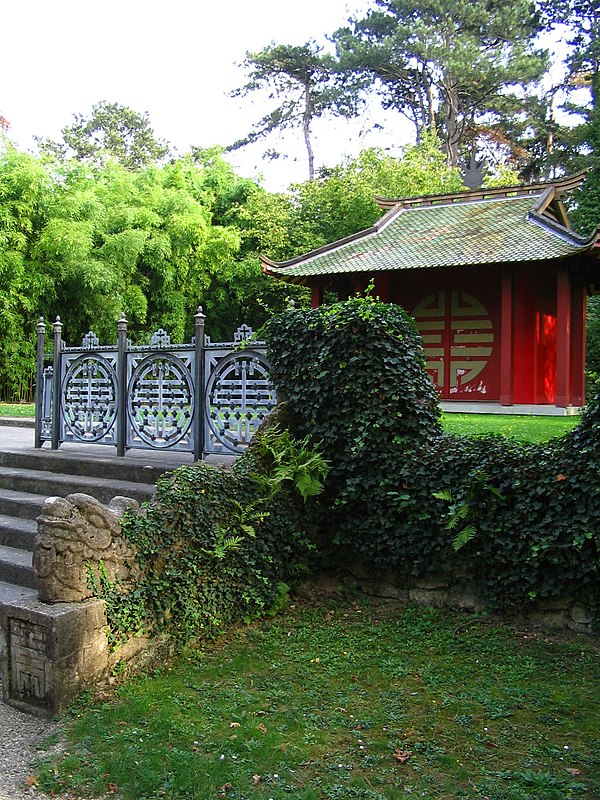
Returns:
<point x="563" y="339"/>
<point x="506" y="340"/>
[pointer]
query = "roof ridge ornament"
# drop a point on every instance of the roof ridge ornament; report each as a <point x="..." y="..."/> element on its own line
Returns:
<point x="561" y="185"/>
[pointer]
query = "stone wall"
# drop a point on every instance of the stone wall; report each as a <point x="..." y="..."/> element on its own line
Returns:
<point x="446" y="592"/>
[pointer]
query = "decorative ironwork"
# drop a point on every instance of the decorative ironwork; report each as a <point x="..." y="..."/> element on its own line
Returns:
<point x="90" y="341"/>
<point x="88" y="398"/>
<point x="45" y="405"/>
<point x="160" y="339"/>
<point x="239" y="396"/>
<point x="160" y="402"/>
<point x="243" y="334"/>
<point x="204" y="397"/>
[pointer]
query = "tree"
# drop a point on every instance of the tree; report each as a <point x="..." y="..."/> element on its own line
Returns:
<point x="458" y="67"/>
<point x="342" y="201"/>
<point x="582" y="84"/>
<point x="304" y="81"/>
<point x="25" y="283"/>
<point x="111" y="131"/>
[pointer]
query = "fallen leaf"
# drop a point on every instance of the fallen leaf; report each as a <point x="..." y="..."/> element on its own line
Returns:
<point x="262" y="727"/>
<point x="401" y="756"/>
<point x="255" y="780"/>
<point x="573" y="771"/>
<point x="561" y="477"/>
<point x="113" y="788"/>
<point x="224" y="789"/>
<point x="31" y="780"/>
<point x="234" y="724"/>
<point x="491" y="745"/>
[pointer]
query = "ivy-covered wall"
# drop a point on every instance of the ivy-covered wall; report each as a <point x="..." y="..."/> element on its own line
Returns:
<point x="518" y="523"/>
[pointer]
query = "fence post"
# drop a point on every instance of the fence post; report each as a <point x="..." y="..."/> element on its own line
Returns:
<point x="39" y="382"/>
<point x="199" y="318"/>
<point x="56" y="380"/>
<point x="121" y="385"/>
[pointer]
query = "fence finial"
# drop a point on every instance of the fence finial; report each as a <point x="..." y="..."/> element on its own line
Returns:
<point x="41" y="326"/>
<point x="199" y="314"/>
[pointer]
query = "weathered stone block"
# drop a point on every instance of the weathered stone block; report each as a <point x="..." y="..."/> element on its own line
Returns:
<point x="436" y="598"/>
<point x="76" y="534"/>
<point x="439" y="582"/>
<point x="51" y="653"/>
<point x="580" y="615"/>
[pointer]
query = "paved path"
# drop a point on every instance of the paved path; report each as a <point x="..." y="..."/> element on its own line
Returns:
<point x="20" y="438"/>
<point x="20" y="737"/>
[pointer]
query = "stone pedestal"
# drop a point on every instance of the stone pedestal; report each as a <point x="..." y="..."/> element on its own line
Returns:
<point x="51" y="653"/>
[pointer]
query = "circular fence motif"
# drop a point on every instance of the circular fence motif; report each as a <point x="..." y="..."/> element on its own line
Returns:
<point x="88" y="398"/>
<point x="161" y="400"/>
<point x="239" y="396"/>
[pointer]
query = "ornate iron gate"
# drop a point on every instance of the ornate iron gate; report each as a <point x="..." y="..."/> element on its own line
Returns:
<point x="203" y="397"/>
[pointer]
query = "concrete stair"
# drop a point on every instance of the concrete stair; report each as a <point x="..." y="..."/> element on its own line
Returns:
<point x="28" y="478"/>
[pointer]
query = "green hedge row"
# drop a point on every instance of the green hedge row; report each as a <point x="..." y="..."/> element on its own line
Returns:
<point x="517" y="522"/>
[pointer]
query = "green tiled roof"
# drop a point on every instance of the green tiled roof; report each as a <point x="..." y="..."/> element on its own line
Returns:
<point x="452" y="234"/>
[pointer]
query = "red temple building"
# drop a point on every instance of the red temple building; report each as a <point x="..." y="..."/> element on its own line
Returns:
<point x="496" y="280"/>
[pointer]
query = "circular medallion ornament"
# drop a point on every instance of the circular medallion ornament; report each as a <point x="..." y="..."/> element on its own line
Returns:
<point x="239" y="396"/>
<point x="88" y="398"/>
<point x="161" y="400"/>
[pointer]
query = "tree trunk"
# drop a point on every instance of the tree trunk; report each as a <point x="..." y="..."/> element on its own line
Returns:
<point x="306" y="131"/>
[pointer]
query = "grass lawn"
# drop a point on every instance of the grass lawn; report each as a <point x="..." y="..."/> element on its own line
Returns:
<point x="17" y="410"/>
<point x="524" y="428"/>
<point x="342" y="699"/>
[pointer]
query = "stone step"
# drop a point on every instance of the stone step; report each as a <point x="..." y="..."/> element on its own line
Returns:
<point x="15" y="567"/>
<point x="23" y="505"/>
<point x="11" y="593"/>
<point x="139" y="467"/>
<point x="16" y="532"/>
<point x="42" y="482"/>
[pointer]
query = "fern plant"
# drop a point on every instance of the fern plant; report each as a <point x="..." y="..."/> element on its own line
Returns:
<point x="463" y="513"/>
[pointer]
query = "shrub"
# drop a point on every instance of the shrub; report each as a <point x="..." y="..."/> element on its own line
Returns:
<point x="221" y="545"/>
<point x="353" y="379"/>
<point x="516" y="522"/>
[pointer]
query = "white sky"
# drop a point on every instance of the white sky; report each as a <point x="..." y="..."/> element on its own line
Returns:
<point x="176" y="60"/>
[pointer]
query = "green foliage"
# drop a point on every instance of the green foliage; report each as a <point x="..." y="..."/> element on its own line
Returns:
<point x="523" y="519"/>
<point x="353" y="379"/>
<point x="89" y="244"/>
<point x="448" y="65"/>
<point x="592" y="358"/>
<point x="110" y="131"/>
<point x="124" y="609"/>
<point x="26" y="283"/>
<point x="293" y="461"/>
<point x="463" y="513"/>
<point x="219" y="545"/>
<point x="341" y="202"/>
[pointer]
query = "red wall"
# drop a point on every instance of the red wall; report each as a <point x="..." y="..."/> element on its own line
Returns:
<point x="459" y="314"/>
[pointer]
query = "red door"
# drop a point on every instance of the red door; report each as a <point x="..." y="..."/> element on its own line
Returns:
<point x="461" y="343"/>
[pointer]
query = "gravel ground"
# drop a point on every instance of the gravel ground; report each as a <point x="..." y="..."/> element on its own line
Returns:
<point x="20" y="737"/>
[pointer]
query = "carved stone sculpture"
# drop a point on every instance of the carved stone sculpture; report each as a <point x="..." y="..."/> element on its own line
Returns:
<point x="75" y="535"/>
